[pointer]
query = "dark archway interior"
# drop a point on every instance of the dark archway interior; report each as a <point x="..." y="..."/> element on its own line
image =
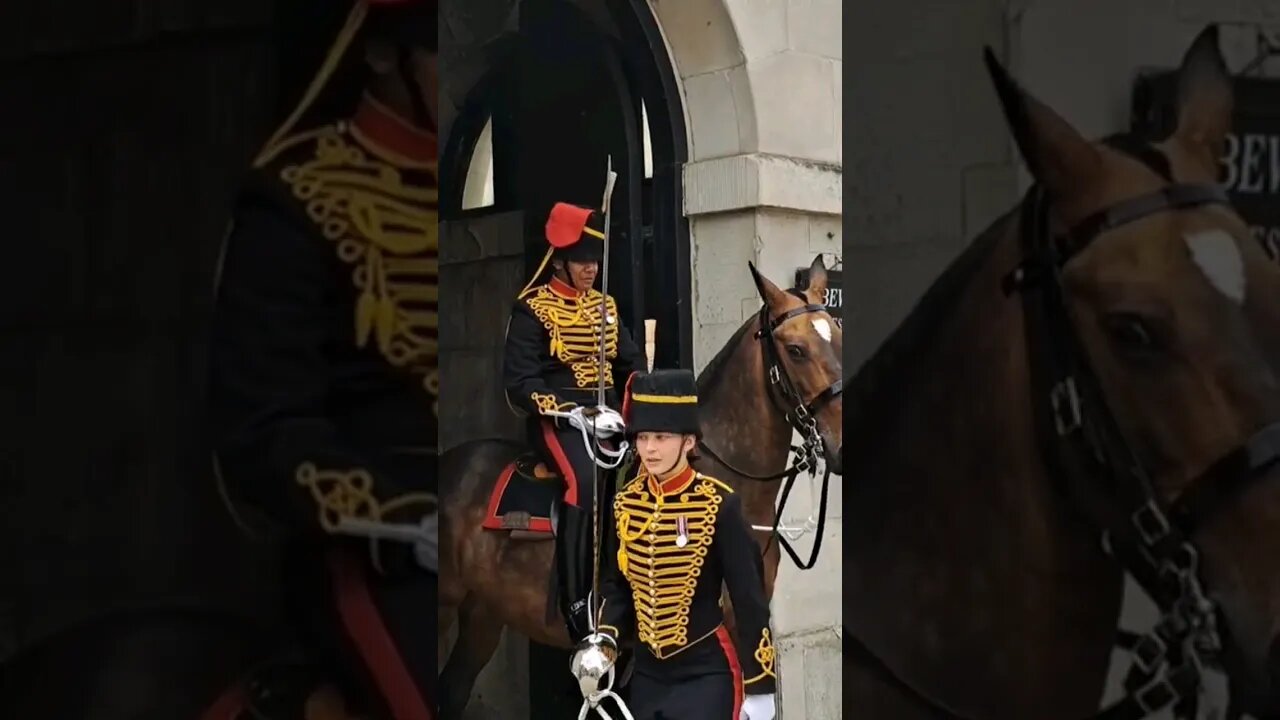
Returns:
<point x="564" y="89"/>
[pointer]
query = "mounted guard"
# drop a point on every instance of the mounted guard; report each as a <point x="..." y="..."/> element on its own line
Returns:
<point x="676" y="539"/>
<point x="566" y="353"/>
<point x="324" y="377"/>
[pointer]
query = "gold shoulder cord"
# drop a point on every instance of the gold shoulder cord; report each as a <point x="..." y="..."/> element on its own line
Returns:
<point x="388" y="231"/>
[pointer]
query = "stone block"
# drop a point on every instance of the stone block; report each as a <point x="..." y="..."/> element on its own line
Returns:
<point x="744" y="108"/>
<point x="837" y="68"/>
<point x="784" y="241"/>
<point x="724" y="240"/>
<point x="761" y="26"/>
<point x="795" y="105"/>
<point x="989" y="192"/>
<point x="701" y="35"/>
<point x="891" y="31"/>
<point x="826" y="234"/>
<point x="708" y="338"/>
<point x="810" y="676"/>
<point x="744" y="182"/>
<point x="713" y="115"/>
<point x="882" y="284"/>
<point x="912" y="143"/>
<point x="815" y="27"/>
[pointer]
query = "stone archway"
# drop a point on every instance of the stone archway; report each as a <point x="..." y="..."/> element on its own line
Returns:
<point x="760" y="83"/>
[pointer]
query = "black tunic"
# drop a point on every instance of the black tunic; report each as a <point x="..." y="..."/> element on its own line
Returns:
<point x="324" y="388"/>
<point x="552" y="354"/>
<point x="667" y="592"/>
<point x="324" y="348"/>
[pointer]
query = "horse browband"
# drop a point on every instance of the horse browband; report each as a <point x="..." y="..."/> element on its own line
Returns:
<point x="803" y="411"/>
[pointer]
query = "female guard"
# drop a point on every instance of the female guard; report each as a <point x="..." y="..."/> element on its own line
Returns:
<point x="680" y="537"/>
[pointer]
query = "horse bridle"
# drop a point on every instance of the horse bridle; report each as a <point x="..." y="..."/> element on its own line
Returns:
<point x="1092" y="462"/>
<point x="801" y="416"/>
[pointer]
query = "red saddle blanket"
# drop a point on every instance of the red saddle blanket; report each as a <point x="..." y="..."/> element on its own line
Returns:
<point x="523" y="497"/>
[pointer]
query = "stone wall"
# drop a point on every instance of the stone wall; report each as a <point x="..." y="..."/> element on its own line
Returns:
<point x="762" y="90"/>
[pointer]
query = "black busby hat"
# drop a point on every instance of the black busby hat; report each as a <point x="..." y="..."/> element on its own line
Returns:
<point x="662" y="401"/>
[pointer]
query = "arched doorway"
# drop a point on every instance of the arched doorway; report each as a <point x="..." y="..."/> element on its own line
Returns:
<point x="570" y="84"/>
<point x="564" y="85"/>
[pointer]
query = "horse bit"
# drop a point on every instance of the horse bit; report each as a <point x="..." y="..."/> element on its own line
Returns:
<point x="801" y="416"/>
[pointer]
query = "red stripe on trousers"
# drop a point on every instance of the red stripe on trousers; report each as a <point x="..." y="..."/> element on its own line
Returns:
<point x="365" y="628"/>
<point x="731" y="654"/>
<point x="557" y="452"/>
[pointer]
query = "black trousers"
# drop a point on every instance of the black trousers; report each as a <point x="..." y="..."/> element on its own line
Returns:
<point x="563" y="446"/>
<point x="703" y="682"/>
<point x="378" y="631"/>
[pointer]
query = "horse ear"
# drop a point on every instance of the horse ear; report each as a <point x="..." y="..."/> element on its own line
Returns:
<point x="818" y="276"/>
<point x="771" y="294"/>
<point x="1058" y="156"/>
<point x="1205" y="99"/>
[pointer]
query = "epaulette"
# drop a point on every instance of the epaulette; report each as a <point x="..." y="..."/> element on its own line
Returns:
<point x="723" y="487"/>
<point x="268" y="178"/>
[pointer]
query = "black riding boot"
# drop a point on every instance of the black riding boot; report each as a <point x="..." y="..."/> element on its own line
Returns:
<point x="573" y="568"/>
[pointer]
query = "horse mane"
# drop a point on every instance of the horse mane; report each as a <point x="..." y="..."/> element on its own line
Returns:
<point x="878" y="384"/>
<point x="711" y="376"/>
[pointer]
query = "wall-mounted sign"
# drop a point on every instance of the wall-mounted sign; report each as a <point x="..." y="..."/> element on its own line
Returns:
<point x="834" y="299"/>
<point x="1251" y="161"/>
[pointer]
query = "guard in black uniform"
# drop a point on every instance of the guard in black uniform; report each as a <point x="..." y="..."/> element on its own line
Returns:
<point x="679" y="537"/>
<point x="324" y="370"/>
<point x="552" y="364"/>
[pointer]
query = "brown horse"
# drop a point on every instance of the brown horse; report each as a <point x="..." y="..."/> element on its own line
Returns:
<point x="979" y="587"/>
<point x="489" y="580"/>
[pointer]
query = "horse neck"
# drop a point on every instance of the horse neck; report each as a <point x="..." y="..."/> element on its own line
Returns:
<point x="968" y="575"/>
<point x="744" y="426"/>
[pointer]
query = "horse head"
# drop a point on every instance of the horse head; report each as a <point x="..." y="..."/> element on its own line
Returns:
<point x="806" y="343"/>
<point x="1176" y="313"/>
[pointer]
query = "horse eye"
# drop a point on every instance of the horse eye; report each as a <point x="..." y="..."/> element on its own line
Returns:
<point x="795" y="351"/>
<point x="1131" y="332"/>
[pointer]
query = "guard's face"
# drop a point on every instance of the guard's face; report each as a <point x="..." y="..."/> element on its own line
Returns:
<point x="582" y="275"/>
<point x="660" y="452"/>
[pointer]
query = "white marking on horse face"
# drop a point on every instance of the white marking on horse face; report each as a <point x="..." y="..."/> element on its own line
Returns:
<point x="822" y="327"/>
<point x="1216" y="254"/>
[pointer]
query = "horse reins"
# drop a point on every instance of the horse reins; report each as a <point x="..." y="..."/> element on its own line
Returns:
<point x="1090" y="460"/>
<point x="801" y="416"/>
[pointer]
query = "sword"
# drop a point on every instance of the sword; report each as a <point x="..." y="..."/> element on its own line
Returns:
<point x="606" y="205"/>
